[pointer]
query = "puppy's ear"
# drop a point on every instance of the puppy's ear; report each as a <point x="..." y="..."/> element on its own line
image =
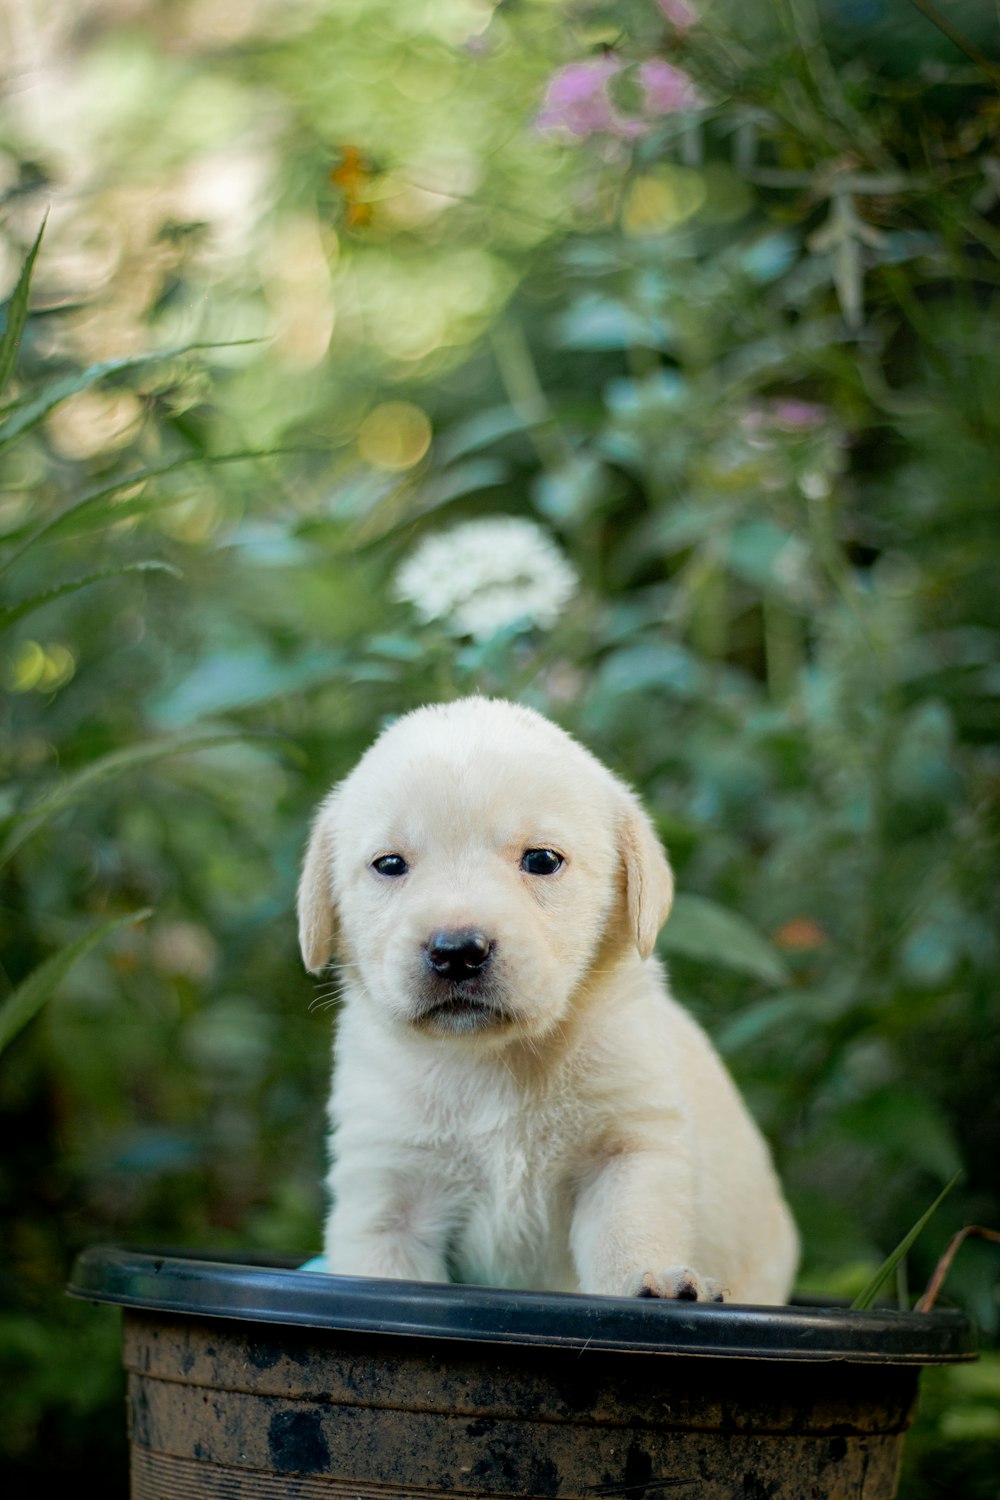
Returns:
<point x="649" y="880"/>
<point x="317" y="910"/>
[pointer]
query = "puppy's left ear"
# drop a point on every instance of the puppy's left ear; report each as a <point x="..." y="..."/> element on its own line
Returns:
<point x="649" y="880"/>
<point x="317" y="910"/>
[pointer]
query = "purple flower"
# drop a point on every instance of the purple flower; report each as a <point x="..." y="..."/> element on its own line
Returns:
<point x="666" y="90"/>
<point x="679" y="13"/>
<point x="577" y="100"/>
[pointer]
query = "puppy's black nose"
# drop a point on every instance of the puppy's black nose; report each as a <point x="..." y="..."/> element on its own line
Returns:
<point x="458" y="954"/>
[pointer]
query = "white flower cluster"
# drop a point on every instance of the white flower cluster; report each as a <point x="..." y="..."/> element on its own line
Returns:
<point x="485" y="575"/>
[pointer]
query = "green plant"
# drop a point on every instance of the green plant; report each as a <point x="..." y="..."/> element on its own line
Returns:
<point x="867" y="1296"/>
<point x="73" y="752"/>
<point x="21" y="550"/>
<point x="737" y="356"/>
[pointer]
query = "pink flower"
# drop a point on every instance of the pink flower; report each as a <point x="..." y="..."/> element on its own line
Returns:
<point x="784" y="414"/>
<point x="679" y="13"/>
<point x="799" y="416"/>
<point x="666" y="90"/>
<point x="577" y="100"/>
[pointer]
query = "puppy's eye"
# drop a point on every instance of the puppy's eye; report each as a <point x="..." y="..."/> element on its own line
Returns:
<point x="541" y="861"/>
<point x="390" y="864"/>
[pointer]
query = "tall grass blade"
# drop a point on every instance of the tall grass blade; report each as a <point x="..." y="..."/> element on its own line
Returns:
<point x="30" y="413"/>
<point x="79" y="785"/>
<point x="11" y="613"/>
<point x="31" y="994"/>
<point x="100" y="508"/>
<point x="865" y="1298"/>
<point x="17" y="313"/>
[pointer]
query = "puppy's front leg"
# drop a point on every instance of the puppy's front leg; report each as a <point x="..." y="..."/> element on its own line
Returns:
<point x="632" y="1229"/>
<point x="386" y="1223"/>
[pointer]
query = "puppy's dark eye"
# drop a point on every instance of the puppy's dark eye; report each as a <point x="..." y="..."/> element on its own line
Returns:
<point x="541" y="861"/>
<point x="390" y="864"/>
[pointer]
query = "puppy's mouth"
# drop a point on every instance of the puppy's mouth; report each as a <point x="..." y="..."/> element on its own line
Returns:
<point x="459" y="1009"/>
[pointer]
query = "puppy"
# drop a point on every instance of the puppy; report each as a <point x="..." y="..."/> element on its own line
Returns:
<point x="517" y="1101"/>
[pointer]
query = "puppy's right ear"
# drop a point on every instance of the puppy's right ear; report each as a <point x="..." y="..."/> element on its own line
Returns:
<point x="317" y="909"/>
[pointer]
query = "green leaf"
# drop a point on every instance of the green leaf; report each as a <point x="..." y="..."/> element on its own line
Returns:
<point x="756" y="1021"/>
<point x="866" y="1297"/>
<point x="684" y="526"/>
<point x="596" y="322"/>
<point x="30" y="413"/>
<point x="700" y="928"/>
<point x="908" y="1126"/>
<point x="769" y="258"/>
<point x="74" y="788"/>
<point x="480" y="431"/>
<point x="650" y="667"/>
<point x="772" y="559"/>
<point x="569" y="493"/>
<point x="17" y="312"/>
<point x="11" y="613"/>
<point x="231" y="680"/>
<point x="101" y="509"/>
<point x="462" y="479"/>
<point x="31" y="994"/>
<point x="405" y="504"/>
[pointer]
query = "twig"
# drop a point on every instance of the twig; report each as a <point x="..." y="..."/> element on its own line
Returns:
<point x="927" y="1301"/>
<point x="958" y="39"/>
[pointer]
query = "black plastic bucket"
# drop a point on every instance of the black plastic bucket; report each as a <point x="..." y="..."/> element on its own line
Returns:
<point x="261" y="1380"/>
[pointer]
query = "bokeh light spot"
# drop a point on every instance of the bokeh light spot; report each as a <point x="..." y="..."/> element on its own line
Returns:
<point x="33" y="667"/>
<point x="94" y="422"/>
<point x="60" y="664"/>
<point x="396" y="435"/>
<point x="660" y="200"/>
<point x="23" y="670"/>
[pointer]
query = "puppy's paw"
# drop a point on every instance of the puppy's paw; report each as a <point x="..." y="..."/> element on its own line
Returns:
<point x="679" y="1283"/>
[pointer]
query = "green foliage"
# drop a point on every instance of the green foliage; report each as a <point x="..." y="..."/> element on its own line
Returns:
<point x="955" y="1443"/>
<point x="72" y="898"/>
<point x="17" y="313"/>
<point x="740" y="361"/>
<point x="29" y="997"/>
<point x="868" y="1296"/>
<point x="702" y="929"/>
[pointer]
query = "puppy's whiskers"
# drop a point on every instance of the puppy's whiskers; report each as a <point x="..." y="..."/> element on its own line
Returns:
<point x="326" y="1000"/>
<point x="333" y="990"/>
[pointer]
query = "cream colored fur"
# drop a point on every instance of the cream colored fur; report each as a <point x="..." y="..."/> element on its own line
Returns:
<point x="577" y="1132"/>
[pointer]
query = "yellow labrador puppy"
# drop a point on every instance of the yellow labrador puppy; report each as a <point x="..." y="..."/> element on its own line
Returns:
<point x="517" y="1101"/>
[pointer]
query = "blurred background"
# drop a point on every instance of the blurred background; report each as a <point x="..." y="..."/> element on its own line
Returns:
<point x="703" y="295"/>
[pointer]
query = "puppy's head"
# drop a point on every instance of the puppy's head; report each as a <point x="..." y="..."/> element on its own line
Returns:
<point x="472" y="866"/>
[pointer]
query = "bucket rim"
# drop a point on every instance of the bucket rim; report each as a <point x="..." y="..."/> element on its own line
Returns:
<point x="269" y="1289"/>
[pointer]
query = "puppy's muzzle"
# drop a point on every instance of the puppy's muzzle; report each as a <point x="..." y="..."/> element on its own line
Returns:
<point x="458" y="954"/>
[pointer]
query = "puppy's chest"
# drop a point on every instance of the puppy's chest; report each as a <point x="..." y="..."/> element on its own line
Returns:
<point x="511" y="1178"/>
